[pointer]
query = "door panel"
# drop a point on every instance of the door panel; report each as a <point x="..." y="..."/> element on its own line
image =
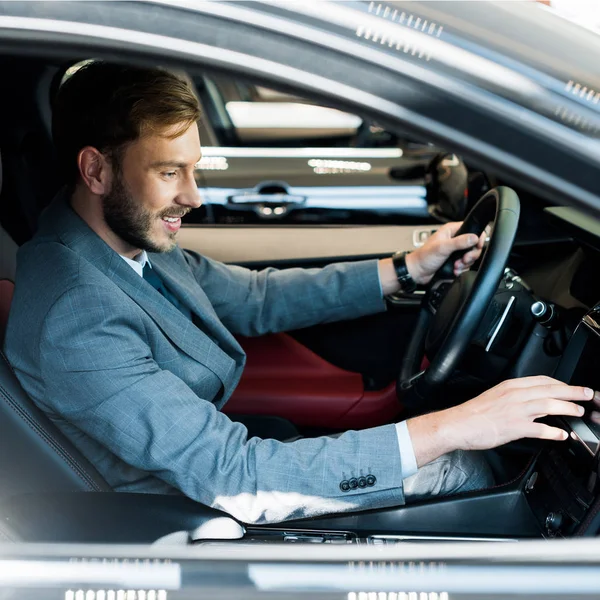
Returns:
<point x="273" y="244"/>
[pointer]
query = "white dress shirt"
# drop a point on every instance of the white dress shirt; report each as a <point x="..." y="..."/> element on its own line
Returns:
<point x="407" y="453"/>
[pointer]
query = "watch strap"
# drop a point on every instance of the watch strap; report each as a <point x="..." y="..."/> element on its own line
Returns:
<point x="407" y="283"/>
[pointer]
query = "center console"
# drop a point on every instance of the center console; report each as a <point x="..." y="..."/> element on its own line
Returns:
<point x="556" y="495"/>
<point x="563" y="488"/>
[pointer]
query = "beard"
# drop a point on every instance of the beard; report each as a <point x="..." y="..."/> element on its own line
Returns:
<point x="134" y="224"/>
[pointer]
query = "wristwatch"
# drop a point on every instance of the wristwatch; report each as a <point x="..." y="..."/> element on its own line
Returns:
<point x="407" y="283"/>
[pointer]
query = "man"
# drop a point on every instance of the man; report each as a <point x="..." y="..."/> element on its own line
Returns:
<point x="126" y="342"/>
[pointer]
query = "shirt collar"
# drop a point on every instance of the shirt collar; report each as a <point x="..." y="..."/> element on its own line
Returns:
<point x="138" y="262"/>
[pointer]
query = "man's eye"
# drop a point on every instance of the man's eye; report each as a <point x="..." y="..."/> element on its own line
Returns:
<point x="170" y="174"/>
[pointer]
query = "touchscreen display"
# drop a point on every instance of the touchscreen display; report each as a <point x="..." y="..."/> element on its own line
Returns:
<point x="580" y="365"/>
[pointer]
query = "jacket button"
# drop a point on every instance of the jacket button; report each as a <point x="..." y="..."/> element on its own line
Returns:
<point x="362" y="482"/>
<point x="353" y="483"/>
<point x="371" y="480"/>
<point x="344" y="485"/>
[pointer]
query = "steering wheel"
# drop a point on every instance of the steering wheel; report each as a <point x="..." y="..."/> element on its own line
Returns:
<point x="453" y="308"/>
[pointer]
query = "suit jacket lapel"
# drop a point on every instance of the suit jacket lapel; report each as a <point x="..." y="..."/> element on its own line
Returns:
<point x="188" y="291"/>
<point x="59" y="218"/>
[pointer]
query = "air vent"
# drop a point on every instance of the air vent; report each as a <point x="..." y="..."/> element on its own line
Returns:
<point x="376" y="36"/>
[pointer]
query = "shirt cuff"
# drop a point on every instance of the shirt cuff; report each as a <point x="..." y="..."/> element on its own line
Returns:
<point x="379" y="279"/>
<point x="407" y="453"/>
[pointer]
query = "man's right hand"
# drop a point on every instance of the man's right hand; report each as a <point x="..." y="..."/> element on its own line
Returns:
<point x="502" y="414"/>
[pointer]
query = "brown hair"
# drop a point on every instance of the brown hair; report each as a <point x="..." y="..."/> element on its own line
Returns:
<point x="108" y="106"/>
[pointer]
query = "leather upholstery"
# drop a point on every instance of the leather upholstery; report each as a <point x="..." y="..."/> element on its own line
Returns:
<point x="34" y="454"/>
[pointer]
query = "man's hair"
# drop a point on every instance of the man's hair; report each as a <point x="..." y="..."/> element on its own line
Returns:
<point x="108" y="106"/>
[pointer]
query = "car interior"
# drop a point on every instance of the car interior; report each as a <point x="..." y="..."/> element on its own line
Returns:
<point x="540" y="319"/>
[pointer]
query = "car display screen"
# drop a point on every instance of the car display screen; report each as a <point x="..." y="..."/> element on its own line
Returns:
<point x="580" y="365"/>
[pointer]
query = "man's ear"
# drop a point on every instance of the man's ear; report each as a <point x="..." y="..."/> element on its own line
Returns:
<point x="95" y="170"/>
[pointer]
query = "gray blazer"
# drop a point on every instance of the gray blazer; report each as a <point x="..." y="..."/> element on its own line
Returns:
<point x="137" y="386"/>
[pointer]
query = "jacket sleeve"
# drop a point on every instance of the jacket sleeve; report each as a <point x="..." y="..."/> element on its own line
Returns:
<point x="99" y="374"/>
<point x="253" y="303"/>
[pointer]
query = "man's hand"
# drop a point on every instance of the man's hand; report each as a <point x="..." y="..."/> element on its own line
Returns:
<point x="425" y="261"/>
<point x="504" y="413"/>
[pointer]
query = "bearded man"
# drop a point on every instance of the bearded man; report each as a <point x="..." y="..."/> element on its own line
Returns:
<point x="126" y="340"/>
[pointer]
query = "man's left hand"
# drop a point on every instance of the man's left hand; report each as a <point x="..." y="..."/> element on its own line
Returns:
<point x="423" y="263"/>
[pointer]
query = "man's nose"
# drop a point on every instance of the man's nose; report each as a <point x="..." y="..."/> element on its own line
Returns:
<point x="190" y="194"/>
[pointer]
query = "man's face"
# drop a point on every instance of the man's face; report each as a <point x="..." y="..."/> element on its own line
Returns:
<point x="153" y="188"/>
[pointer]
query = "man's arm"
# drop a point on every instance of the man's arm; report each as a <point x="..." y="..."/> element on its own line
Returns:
<point x="99" y="374"/>
<point x="257" y="302"/>
<point x="253" y="303"/>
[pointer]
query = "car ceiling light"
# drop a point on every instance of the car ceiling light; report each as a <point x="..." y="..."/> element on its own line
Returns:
<point x="575" y="120"/>
<point x="577" y="89"/>
<point x="402" y="18"/>
<point x="328" y="167"/>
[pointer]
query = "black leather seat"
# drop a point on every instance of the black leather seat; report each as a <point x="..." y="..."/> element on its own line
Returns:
<point x="34" y="455"/>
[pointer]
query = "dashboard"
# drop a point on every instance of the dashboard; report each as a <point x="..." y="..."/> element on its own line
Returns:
<point x="562" y="488"/>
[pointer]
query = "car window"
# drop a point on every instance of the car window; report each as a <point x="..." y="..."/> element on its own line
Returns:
<point x="270" y="157"/>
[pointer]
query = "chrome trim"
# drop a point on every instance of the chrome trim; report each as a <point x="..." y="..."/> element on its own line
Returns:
<point x="500" y="323"/>
<point x="417" y="243"/>
<point x="590" y="320"/>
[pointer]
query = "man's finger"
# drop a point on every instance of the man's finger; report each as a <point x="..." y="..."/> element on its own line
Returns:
<point x="551" y="406"/>
<point x="452" y="227"/>
<point x="462" y="242"/>
<point x="471" y="256"/>
<point x="556" y="391"/>
<point x="532" y="381"/>
<point x="545" y="432"/>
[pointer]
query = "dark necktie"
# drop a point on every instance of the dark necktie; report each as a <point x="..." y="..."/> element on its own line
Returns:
<point x="156" y="282"/>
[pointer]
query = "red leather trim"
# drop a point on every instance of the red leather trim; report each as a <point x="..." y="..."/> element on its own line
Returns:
<point x="7" y="288"/>
<point x="284" y="378"/>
